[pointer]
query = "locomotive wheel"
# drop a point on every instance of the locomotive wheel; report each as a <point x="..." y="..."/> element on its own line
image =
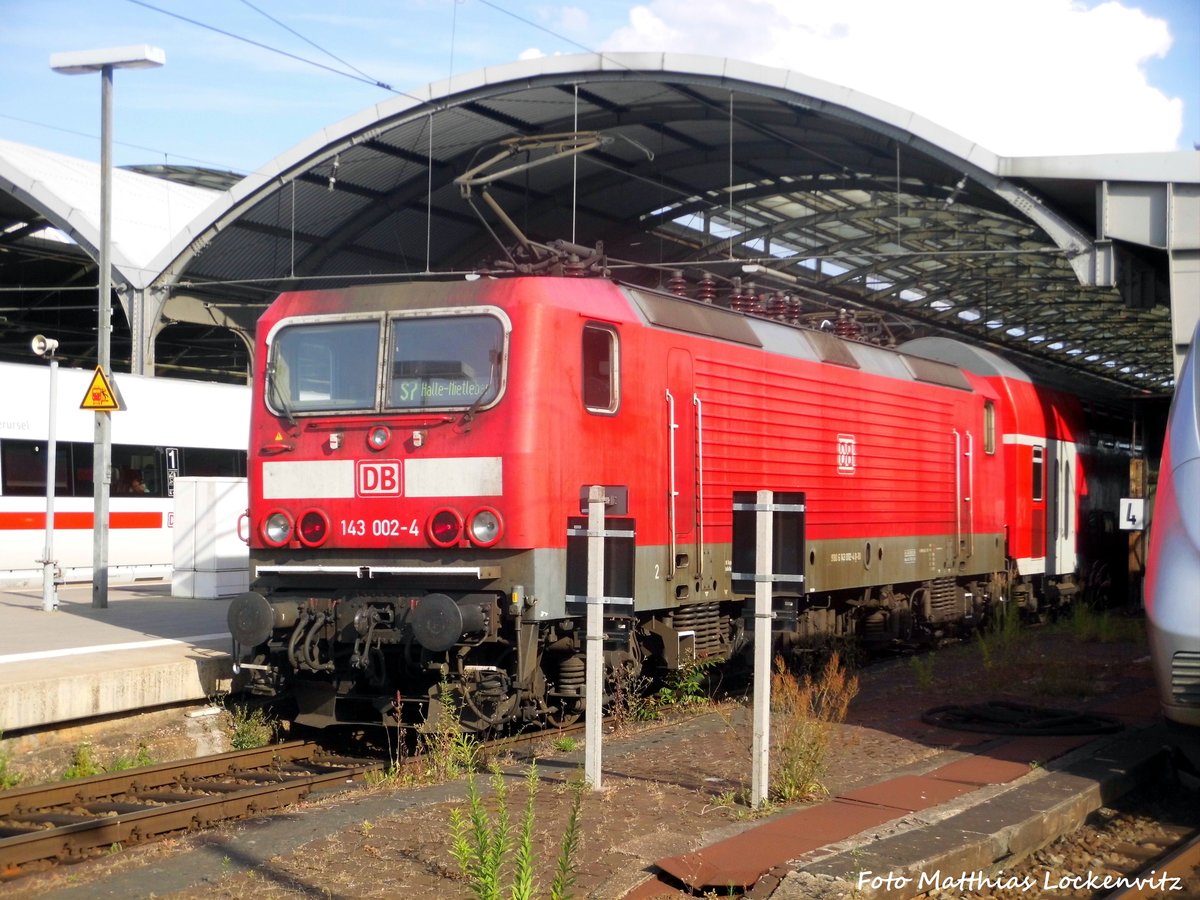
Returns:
<point x="567" y="718"/>
<point x="488" y="700"/>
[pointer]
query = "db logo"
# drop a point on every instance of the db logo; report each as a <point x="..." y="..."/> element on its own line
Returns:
<point x="846" y="453"/>
<point x="378" y="478"/>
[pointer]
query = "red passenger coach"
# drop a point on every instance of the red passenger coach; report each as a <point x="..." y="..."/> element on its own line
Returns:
<point x="1042" y="433"/>
<point x="420" y="461"/>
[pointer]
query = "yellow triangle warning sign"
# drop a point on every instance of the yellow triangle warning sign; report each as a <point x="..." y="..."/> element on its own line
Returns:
<point x="102" y="395"/>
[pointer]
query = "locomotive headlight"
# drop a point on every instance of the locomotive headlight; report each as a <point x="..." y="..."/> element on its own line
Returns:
<point x="379" y="437"/>
<point x="444" y="527"/>
<point x="277" y="528"/>
<point x="486" y="527"/>
<point x="313" y="528"/>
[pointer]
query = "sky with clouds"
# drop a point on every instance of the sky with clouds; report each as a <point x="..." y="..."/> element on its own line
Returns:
<point x="247" y="79"/>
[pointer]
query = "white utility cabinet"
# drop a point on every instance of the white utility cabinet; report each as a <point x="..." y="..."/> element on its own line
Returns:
<point x="211" y="560"/>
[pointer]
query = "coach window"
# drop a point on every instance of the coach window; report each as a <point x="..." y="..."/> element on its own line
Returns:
<point x="135" y="472"/>
<point x="23" y="469"/>
<point x="989" y="427"/>
<point x="1039" y="469"/>
<point x="601" y="373"/>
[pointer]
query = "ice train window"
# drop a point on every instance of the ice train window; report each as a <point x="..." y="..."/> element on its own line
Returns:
<point x="324" y="367"/>
<point x="445" y="362"/>
<point x="601" y="382"/>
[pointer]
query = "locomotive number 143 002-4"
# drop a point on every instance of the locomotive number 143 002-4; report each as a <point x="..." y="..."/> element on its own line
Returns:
<point x="378" y="527"/>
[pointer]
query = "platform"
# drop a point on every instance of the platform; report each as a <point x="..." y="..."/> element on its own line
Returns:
<point x="956" y="816"/>
<point x="146" y="649"/>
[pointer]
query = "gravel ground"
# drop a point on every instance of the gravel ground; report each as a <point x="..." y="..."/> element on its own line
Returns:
<point x="666" y="795"/>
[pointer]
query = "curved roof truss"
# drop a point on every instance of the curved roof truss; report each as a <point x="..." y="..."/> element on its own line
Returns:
<point x="709" y="165"/>
<point x="761" y="179"/>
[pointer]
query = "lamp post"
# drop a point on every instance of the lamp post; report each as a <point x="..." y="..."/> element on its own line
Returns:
<point x="83" y="62"/>
<point x="44" y="346"/>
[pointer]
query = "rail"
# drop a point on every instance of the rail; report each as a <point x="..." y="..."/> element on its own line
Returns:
<point x="1163" y="875"/>
<point x="66" y="820"/>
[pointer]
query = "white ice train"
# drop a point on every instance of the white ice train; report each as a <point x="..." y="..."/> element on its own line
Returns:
<point x="1173" y="560"/>
<point x="169" y="428"/>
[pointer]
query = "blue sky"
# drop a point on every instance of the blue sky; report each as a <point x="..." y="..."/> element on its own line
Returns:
<point x="1021" y="77"/>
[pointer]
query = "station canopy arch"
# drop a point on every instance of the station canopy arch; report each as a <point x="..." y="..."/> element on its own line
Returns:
<point x="727" y="169"/>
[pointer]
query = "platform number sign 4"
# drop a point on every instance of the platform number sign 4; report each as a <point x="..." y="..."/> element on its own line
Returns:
<point x="846" y="454"/>
<point x="1133" y="514"/>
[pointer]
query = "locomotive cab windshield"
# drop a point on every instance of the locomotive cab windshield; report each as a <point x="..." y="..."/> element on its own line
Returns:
<point x="432" y="361"/>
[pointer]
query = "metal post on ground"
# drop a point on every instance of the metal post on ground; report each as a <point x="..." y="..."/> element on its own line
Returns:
<point x="763" y="583"/>
<point x="595" y="636"/>
<point x="44" y="346"/>
<point x="104" y="62"/>
<point x="102" y="446"/>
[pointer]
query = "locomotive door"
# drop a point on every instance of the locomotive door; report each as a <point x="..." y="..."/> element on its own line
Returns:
<point x="1060" y="510"/>
<point x="964" y="489"/>
<point x="682" y="449"/>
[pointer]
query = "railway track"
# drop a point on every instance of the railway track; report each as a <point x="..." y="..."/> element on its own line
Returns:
<point x="67" y="821"/>
<point x="1177" y="872"/>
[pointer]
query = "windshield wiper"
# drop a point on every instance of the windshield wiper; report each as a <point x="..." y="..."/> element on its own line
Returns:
<point x="278" y="398"/>
<point x="469" y="415"/>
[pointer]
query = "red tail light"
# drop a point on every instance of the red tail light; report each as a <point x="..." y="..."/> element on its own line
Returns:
<point x="313" y="528"/>
<point x="444" y="527"/>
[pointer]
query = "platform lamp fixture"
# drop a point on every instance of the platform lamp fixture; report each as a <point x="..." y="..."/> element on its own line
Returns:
<point x="82" y="62"/>
<point x="44" y="346"/>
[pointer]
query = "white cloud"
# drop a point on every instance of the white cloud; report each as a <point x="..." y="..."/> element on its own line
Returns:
<point x="1021" y="77"/>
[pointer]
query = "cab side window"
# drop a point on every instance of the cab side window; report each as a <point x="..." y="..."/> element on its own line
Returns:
<point x="989" y="427"/>
<point x="601" y="369"/>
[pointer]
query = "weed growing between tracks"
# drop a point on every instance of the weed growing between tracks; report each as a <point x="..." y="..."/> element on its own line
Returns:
<point x="686" y="686"/>
<point x="249" y="728"/>
<point x="84" y="763"/>
<point x="482" y="842"/>
<point x="804" y="715"/>
<point x="1103" y="626"/>
<point x="922" y="667"/>
<point x="8" y="778"/>
<point x="998" y="639"/>
<point x="628" y="703"/>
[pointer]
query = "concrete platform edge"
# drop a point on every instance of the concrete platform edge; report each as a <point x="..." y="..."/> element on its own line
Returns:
<point x="128" y="689"/>
<point x="1032" y="813"/>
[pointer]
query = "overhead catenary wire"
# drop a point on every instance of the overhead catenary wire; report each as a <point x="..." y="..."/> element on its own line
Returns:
<point x="364" y="79"/>
<point x="313" y="44"/>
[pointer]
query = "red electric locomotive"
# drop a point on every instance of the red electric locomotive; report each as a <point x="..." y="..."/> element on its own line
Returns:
<point x="421" y="456"/>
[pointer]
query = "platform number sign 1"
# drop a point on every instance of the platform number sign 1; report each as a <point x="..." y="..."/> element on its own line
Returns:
<point x="172" y="454"/>
<point x="846" y="454"/>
